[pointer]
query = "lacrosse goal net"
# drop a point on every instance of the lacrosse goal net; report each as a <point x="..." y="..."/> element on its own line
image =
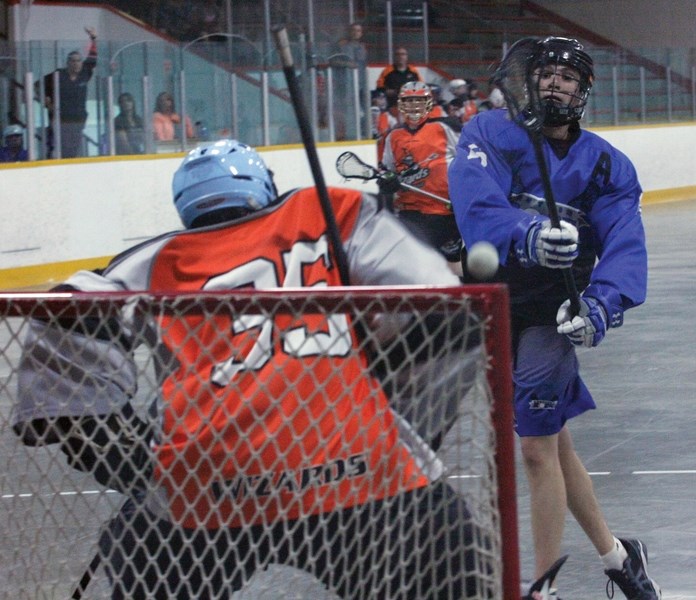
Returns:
<point x="239" y="417"/>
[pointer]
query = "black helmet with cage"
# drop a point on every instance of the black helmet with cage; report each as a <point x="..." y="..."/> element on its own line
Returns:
<point x="569" y="52"/>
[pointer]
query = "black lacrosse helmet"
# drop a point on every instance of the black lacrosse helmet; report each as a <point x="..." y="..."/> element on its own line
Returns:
<point x="569" y="52"/>
<point x="517" y="76"/>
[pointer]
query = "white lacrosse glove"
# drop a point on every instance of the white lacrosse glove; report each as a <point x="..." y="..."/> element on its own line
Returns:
<point x="586" y="329"/>
<point x="551" y="247"/>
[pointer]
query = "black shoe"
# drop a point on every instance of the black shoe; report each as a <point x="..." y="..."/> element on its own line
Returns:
<point x="633" y="578"/>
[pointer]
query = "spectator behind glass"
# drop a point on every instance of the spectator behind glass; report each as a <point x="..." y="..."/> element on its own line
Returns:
<point x="208" y="18"/>
<point x="393" y="77"/>
<point x="72" y="88"/>
<point x="351" y="54"/>
<point x="175" y="18"/>
<point x="354" y="52"/>
<point x="13" y="150"/>
<point x="166" y="122"/>
<point x="129" y="126"/>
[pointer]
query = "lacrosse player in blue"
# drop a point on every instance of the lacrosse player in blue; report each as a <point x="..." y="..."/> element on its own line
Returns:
<point x="497" y="194"/>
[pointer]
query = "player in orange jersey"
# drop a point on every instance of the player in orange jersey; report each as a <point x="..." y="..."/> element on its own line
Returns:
<point x="420" y="151"/>
<point x="264" y="453"/>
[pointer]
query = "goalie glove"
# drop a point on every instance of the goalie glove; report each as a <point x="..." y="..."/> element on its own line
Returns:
<point x="388" y="182"/>
<point x="587" y="328"/>
<point x="114" y="448"/>
<point x="551" y="247"/>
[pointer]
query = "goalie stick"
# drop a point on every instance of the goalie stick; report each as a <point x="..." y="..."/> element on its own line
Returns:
<point x="516" y="80"/>
<point x="114" y="449"/>
<point x="283" y="47"/>
<point x="351" y="166"/>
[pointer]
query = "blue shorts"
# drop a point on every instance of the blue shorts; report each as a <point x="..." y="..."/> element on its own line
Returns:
<point x="548" y="387"/>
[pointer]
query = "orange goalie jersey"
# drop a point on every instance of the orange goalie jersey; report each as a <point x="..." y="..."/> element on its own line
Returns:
<point x="421" y="157"/>
<point x="258" y="424"/>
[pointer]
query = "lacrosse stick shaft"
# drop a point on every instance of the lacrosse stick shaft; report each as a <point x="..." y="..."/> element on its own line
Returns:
<point x="424" y="193"/>
<point x="87" y="577"/>
<point x="555" y="219"/>
<point x="283" y="47"/>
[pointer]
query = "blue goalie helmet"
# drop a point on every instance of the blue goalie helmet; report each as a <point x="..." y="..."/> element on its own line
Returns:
<point x="221" y="181"/>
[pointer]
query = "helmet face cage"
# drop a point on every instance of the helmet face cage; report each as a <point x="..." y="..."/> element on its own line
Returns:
<point x="555" y="52"/>
<point x="415" y="102"/>
<point x="221" y="179"/>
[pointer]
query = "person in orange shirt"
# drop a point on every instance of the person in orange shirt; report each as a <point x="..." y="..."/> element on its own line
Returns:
<point x="166" y="121"/>
<point x="394" y="76"/>
<point x="420" y="151"/>
<point x="266" y="450"/>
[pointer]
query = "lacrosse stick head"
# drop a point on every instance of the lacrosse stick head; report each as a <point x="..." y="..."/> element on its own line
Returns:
<point x="350" y="166"/>
<point x="545" y="81"/>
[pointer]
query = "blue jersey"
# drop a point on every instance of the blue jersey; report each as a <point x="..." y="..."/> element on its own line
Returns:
<point x="497" y="193"/>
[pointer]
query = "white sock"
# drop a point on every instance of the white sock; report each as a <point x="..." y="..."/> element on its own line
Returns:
<point x="614" y="559"/>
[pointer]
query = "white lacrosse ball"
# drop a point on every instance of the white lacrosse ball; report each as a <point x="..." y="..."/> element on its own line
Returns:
<point x="482" y="260"/>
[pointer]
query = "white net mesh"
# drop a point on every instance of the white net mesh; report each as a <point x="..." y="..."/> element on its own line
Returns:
<point x="300" y="444"/>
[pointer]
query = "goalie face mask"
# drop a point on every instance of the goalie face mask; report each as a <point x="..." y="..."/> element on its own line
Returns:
<point x="563" y="74"/>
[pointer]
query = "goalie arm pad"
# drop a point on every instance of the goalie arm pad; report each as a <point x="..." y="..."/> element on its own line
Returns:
<point x="66" y="373"/>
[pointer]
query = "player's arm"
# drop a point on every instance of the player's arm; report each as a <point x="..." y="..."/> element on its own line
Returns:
<point x="75" y="382"/>
<point x="619" y="279"/>
<point x="620" y="276"/>
<point x="91" y="59"/>
<point x="442" y="348"/>
<point x="381" y="251"/>
<point x="451" y="140"/>
<point x="389" y="184"/>
<point x="72" y="367"/>
<point x="480" y="181"/>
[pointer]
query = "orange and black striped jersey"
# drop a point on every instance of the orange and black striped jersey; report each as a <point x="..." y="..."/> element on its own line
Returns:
<point x="421" y="157"/>
<point x="256" y="423"/>
<point x="392" y="78"/>
<point x="337" y="444"/>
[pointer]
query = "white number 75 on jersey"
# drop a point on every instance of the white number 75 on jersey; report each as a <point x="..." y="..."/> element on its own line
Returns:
<point x="298" y="341"/>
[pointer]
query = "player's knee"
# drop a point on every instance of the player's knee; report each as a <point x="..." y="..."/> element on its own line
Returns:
<point x="539" y="453"/>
